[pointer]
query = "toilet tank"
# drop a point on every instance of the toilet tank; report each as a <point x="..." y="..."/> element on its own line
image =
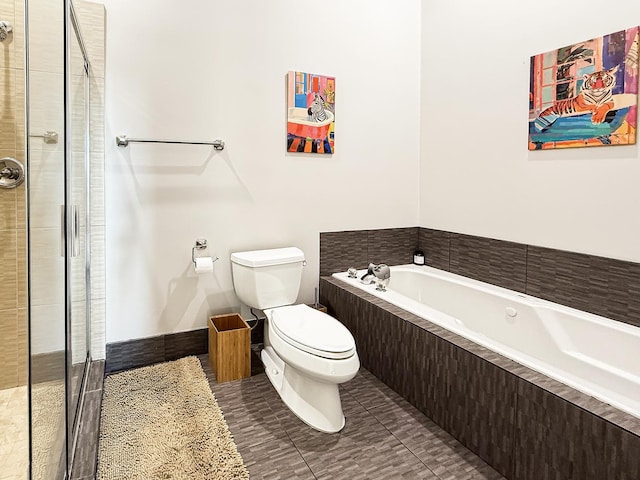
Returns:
<point x="267" y="278"/>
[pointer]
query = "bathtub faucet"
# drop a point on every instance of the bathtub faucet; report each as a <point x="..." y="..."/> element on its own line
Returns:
<point x="381" y="271"/>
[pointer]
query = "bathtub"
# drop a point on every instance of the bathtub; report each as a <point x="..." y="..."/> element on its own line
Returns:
<point x="590" y="353"/>
<point x="298" y="124"/>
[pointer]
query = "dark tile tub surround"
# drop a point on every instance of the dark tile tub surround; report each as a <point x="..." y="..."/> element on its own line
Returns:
<point x="429" y="373"/>
<point x="439" y="247"/>
<point x="341" y="250"/>
<point x="392" y="246"/>
<point x="598" y="285"/>
<point x="162" y="348"/>
<point x="573" y="444"/>
<point x="357" y="248"/>
<point x="525" y="425"/>
<point x="577" y="444"/>
<point x="493" y="261"/>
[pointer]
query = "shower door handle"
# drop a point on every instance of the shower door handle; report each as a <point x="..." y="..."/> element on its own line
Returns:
<point x="74" y="230"/>
<point x="63" y="237"/>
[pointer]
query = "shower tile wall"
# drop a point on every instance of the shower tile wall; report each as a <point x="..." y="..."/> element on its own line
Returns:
<point x="13" y="316"/>
<point x="46" y="194"/>
<point x="46" y="76"/>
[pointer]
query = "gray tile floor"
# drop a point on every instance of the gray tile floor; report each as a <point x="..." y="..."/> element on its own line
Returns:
<point x="385" y="437"/>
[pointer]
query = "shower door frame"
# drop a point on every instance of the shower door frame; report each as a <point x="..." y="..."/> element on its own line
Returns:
<point x="69" y="233"/>
<point x="72" y="27"/>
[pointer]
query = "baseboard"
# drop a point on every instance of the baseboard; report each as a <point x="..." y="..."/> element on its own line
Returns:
<point x="47" y="367"/>
<point x="162" y="348"/>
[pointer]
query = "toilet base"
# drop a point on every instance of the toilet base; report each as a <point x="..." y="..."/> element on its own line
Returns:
<point x="316" y="403"/>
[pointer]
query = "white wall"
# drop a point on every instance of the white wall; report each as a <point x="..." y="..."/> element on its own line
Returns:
<point x="477" y="176"/>
<point x="216" y="69"/>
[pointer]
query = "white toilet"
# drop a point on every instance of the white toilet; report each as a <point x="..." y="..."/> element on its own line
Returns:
<point x="306" y="352"/>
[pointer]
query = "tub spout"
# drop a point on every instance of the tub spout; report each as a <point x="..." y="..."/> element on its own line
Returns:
<point x="368" y="278"/>
<point x="381" y="272"/>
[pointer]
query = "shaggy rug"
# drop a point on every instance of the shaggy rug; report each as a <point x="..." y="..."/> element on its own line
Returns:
<point x="163" y="422"/>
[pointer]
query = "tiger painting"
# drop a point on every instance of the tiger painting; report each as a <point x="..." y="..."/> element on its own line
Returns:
<point x="596" y="96"/>
<point x="632" y="57"/>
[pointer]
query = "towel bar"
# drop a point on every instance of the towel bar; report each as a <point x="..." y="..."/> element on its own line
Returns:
<point x="123" y="141"/>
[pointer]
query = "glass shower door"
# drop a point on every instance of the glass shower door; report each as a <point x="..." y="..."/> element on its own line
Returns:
<point x="47" y="242"/>
<point x="77" y="211"/>
<point x="57" y="106"/>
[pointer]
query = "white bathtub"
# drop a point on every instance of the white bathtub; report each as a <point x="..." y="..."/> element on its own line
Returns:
<point x="593" y="354"/>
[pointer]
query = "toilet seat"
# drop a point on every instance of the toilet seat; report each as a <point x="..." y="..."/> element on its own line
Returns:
<point x="312" y="331"/>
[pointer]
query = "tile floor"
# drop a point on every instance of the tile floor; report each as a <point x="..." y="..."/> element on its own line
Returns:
<point x="14" y="434"/>
<point x="385" y="437"/>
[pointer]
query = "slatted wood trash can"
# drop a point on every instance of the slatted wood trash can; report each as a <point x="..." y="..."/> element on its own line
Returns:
<point x="229" y="347"/>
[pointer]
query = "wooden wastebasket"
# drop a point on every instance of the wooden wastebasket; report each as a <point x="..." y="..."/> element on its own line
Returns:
<point x="229" y="347"/>
<point x="318" y="306"/>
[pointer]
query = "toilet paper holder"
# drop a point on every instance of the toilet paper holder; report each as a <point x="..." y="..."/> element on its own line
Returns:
<point x="201" y="244"/>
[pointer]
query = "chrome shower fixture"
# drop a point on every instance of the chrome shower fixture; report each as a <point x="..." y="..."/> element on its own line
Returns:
<point x="11" y="172"/>
<point x="5" y="29"/>
<point x="49" y="136"/>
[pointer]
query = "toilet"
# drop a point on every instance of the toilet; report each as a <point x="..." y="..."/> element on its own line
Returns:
<point x="307" y="353"/>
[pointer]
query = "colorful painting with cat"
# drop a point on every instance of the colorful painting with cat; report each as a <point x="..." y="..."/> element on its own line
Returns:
<point x="585" y="94"/>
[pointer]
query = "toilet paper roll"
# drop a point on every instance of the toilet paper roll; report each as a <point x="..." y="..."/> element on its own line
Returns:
<point x="204" y="265"/>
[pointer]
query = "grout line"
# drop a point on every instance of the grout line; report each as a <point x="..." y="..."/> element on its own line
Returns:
<point x="272" y="412"/>
<point x="526" y="270"/>
<point x="449" y="252"/>
<point x="514" y="441"/>
<point x="261" y="395"/>
<point x="300" y="453"/>
<point x="399" y="440"/>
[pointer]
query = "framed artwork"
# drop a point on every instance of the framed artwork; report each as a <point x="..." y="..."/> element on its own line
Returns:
<point x="310" y="113"/>
<point x="585" y="94"/>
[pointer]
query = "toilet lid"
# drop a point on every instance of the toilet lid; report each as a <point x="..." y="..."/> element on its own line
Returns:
<point x="313" y="331"/>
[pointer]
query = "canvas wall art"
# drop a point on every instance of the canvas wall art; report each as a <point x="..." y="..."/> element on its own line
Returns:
<point x="310" y="113"/>
<point x="585" y="94"/>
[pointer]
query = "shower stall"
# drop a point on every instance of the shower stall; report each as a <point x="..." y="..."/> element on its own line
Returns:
<point x="47" y="303"/>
